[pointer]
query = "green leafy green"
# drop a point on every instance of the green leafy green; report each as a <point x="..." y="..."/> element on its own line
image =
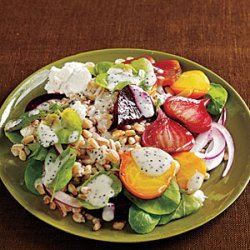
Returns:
<point x="33" y="171"/>
<point x="140" y="221"/>
<point x="102" y="67"/>
<point x="14" y="137"/>
<point x="116" y="186"/>
<point x="55" y="107"/>
<point x="39" y="153"/>
<point x="25" y="120"/>
<point x="125" y="67"/>
<point x="65" y="162"/>
<point x="188" y="205"/>
<point x="144" y="85"/>
<point x="218" y="96"/>
<point x="165" y="204"/>
<point x="101" y="80"/>
<point x="142" y="63"/>
<point x="122" y="85"/>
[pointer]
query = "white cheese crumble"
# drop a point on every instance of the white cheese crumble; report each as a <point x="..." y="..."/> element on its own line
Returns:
<point x="79" y="108"/>
<point x="72" y="78"/>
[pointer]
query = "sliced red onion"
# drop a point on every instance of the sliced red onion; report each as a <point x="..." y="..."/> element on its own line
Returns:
<point x="201" y="141"/>
<point x="223" y="117"/>
<point x="230" y="146"/>
<point x="215" y="162"/>
<point x="58" y="147"/>
<point x="65" y="199"/>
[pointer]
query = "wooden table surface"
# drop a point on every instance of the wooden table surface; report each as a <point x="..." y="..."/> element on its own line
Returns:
<point x="212" y="33"/>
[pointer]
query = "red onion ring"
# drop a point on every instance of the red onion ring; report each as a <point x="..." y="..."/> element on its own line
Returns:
<point x="223" y="117"/>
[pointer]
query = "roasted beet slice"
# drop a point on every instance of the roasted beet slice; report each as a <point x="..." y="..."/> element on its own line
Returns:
<point x="168" y="135"/>
<point x="41" y="99"/>
<point x="133" y="105"/>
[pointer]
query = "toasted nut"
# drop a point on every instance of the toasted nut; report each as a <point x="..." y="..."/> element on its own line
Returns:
<point x="118" y="225"/>
<point x="72" y="189"/>
<point x="77" y="170"/>
<point x="28" y="139"/>
<point x="97" y="226"/>
<point x="207" y="176"/>
<point x="63" y="209"/>
<point x="89" y="216"/>
<point x="85" y="190"/>
<point x="52" y="205"/>
<point x="79" y="144"/>
<point x="86" y="123"/>
<point x="93" y="143"/>
<point x="77" y="217"/>
<point x="118" y="133"/>
<point x="112" y="144"/>
<point x="16" y="148"/>
<point x="131" y="140"/>
<point x="46" y="199"/>
<point x="76" y="210"/>
<point x="88" y="169"/>
<point x="87" y="160"/>
<point x="137" y="138"/>
<point x="40" y="189"/>
<point x="127" y="127"/>
<point x="139" y="128"/>
<point x="95" y="220"/>
<point x="87" y="134"/>
<point x="92" y="130"/>
<point x="225" y="158"/>
<point x="130" y="132"/>
<point x="22" y="155"/>
<point x="107" y="167"/>
<point x="99" y="167"/>
<point x="112" y="156"/>
<point x="102" y="141"/>
<point x="26" y="150"/>
<point x="82" y="196"/>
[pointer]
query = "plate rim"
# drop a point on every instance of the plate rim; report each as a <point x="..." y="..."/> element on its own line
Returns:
<point x="146" y="51"/>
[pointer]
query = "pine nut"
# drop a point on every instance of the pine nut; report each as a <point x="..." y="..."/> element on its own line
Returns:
<point x="139" y="128"/>
<point x="76" y="210"/>
<point x="93" y="143"/>
<point x="28" y="139"/>
<point x="40" y="189"/>
<point x="46" y="199"/>
<point x="16" y="148"/>
<point x="131" y="140"/>
<point x="86" y="123"/>
<point x="123" y="140"/>
<point x="118" y="133"/>
<point x="127" y="127"/>
<point x="118" y="225"/>
<point x="87" y="134"/>
<point x="99" y="167"/>
<point x="87" y="160"/>
<point x="137" y="138"/>
<point x="22" y="155"/>
<point x="207" y="176"/>
<point x="97" y="226"/>
<point x="79" y="218"/>
<point x="130" y="132"/>
<point x="118" y="145"/>
<point x="107" y="167"/>
<point x="77" y="170"/>
<point x="26" y="150"/>
<point x="112" y="156"/>
<point x="62" y="208"/>
<point x="94" y="170"/>
<point x="88" y="169"/>
<point x="72" y="189"/>
<point x="225" y="158"/>
<point x="85" y="190"/>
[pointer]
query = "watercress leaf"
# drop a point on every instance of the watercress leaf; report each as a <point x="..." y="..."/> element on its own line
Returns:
<point x="65" y="162"/>
<point x="32" y="172"/>
<point x="103" y="67"/>
<point x="101" y="80"/>
<point x="218" y="96"/>
<point x="165" y="204"/>
<point x="14" y="137"/>
<point x="115" y="185"/>
<point x="140" y="221"/>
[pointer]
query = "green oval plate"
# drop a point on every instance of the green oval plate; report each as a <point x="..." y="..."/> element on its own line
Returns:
<point x="221" y="192"/>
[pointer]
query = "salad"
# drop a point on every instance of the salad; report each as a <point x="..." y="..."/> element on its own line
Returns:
<point x="129" y="141"/>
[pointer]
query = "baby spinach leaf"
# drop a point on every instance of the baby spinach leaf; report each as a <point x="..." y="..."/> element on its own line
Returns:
<point x="102" y="67"/>
<point x="115" y="185"/>
<point x="218" y="96"/>
<point x="39" y="153"/>
<point x="121" y="85"/>
<point x="141" y="63"/>
<point x="140" y="221"/>
<point x="33" y="171"/>
<point x="165" y="204"/>
<point x="14" y="137"/>
<point x="64" y="162"/>
<point x="101" y="80"/>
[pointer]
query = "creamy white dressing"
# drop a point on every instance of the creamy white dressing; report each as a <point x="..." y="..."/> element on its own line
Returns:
<point x="152" y="161"/>
<point x="12" y="123"/>
<point x="46" y="135"/>
<point x="74" y="136"/>
<point x="33" y="112"/>
<point x="200" y="195"/>
<point x="98" y="154"/>
<point x="195" y="182"/>
<point x="101" y="190"/>
<point x="79" y="108"/>
<point x="72" y="78"/>
<point x="116" y="75"/>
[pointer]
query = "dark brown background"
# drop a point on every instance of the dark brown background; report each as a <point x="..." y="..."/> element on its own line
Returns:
<point x="35" y="33"/>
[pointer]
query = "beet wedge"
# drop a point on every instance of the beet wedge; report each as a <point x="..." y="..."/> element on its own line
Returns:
<point x="191" y="113"/>
<point x="168" y="135"/>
